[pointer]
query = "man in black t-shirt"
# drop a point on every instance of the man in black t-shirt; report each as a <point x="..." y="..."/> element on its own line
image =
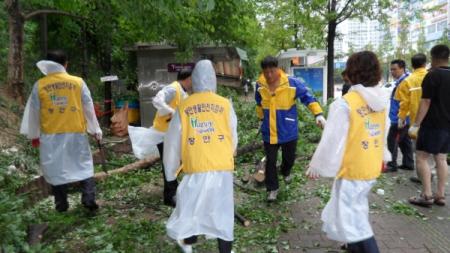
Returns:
<point x="433" y="137"/>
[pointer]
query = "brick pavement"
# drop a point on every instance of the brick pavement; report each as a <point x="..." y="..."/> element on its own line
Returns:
<point x="395" y="233"/>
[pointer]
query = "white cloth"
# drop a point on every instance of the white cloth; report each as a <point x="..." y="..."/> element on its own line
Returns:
<point x="163" y="98"/>
<point x="67" y="157"/>
<point x="205" y="204"/>
<point x="144" y="140"/>
<point x="345" y="216"/>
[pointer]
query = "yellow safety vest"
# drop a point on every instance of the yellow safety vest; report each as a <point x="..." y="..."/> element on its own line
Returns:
<point x="61" y="107"/>
<point x="206" y="141"/>
<point x="363" y="155"/>
<point x="161" y="123"/>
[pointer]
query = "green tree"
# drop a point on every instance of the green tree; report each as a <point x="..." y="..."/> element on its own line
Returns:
<point x="316" y="16"/>
<point x="17" y="17"/>
<point x="97" y="42"/>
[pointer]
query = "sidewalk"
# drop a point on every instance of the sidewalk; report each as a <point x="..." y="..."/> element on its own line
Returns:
<point x="426" y="231"/>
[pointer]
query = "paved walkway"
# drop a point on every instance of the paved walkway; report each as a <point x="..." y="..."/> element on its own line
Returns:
<point x="427" y="231"/>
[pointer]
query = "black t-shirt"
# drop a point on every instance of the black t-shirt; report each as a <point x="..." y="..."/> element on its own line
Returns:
<point x="436" y="87"/>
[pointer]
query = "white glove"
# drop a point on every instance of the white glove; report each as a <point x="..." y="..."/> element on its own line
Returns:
<point x="312" y="174"/>
<point x="321" y="121"/>
<point x="401" y="123"/>
<point x="98" y="136"/>
<point x="413" y="131"/>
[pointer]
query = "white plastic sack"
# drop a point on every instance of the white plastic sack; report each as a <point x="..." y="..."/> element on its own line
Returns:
<point x="25" y="119"/>
<point x="144" y="141"/>
<point x="30" y="125"/>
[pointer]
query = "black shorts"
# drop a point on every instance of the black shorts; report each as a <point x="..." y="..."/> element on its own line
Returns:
<point x="433" y="141"/>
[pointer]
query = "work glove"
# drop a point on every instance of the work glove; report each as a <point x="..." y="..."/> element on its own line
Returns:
<point x="401" y="123"/>
<point x="320" y="121"/>
<point x="413" y="131"/>
<point x="312" y="174"/>
<point x="35" y="143"/>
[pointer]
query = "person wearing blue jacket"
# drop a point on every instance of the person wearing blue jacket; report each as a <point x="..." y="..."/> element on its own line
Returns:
<point x="398" y="137"/>
<point x="276" y="95"/>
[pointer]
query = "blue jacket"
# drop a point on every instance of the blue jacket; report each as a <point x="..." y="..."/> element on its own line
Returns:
<point x="278" y="110"/>
<point x="395" y="104"/>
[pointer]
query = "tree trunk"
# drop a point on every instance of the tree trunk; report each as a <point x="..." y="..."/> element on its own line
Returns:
<point x="15" y="55"/>
<point x="44" y="35"/>
<point x="332" y="24"/>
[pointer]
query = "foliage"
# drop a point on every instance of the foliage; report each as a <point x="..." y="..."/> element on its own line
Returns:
<point x="401" y="207"/>
<point x="3" y="41"/>
<point x="132" y="216"/>
<point x="13" y="232"/>
<point x="109" y="27"/>
<point x="311" y="24"/>
<point x="288" y="24"/>
<point x="16" y="167"/>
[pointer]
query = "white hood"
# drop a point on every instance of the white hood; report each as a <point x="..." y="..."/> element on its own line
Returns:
<point x="376" y="97"/>
<point x="204" y="77"/>
<point x="48" y="67"/>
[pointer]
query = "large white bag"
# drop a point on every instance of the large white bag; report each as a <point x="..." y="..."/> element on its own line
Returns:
<point x="144" y="141"/>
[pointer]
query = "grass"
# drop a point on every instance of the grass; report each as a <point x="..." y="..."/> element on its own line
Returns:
<point x="132" y="217"/>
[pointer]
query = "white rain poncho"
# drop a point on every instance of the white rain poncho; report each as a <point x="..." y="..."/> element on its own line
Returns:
<point x="205" y="204"/>
<point x="143" y="139"/>
<point x="346" y="215"/>
<point x="64" y="158"/>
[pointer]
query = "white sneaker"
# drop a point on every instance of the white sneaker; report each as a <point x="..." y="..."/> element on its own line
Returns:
<point x="184" y="247"/>
<point x="272" y="196"/>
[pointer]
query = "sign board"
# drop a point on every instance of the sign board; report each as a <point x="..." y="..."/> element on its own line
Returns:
<point x="177" y="67"/>
<point x="314" y="78"/>
<point x="108" y="78"/>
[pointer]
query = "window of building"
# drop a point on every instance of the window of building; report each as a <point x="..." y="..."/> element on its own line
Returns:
<point x="441" y="26"/>
<point x="431" y="28"/>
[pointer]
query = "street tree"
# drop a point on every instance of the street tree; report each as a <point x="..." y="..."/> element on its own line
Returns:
<point x="16" y="19"/>
<point x="318" y="17"/>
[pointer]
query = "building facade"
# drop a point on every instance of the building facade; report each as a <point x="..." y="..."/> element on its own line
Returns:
<point x="416" y="21"/>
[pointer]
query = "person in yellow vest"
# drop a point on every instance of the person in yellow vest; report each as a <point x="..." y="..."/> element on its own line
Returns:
<point x="166" y="101"/>
<point x="59" y="112"/>
<point x="409" y="91"/>
<point x="202" y="138"/>
<point x="276" y="106"/>
<point x="352" y="149"/>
